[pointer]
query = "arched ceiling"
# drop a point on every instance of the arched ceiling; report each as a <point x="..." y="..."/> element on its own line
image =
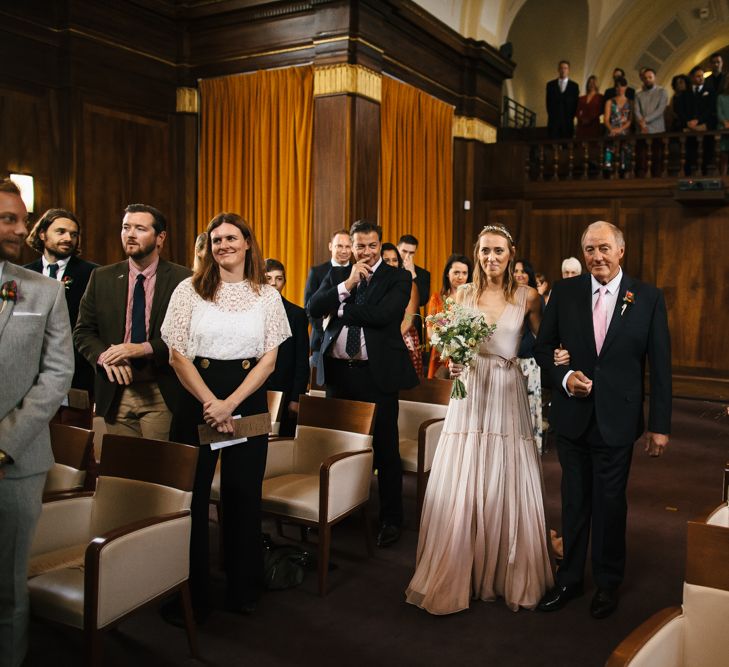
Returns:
<point x="669" y="35"/>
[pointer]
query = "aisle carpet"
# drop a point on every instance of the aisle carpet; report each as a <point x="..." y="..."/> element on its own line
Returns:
<point x="364" y="620"/>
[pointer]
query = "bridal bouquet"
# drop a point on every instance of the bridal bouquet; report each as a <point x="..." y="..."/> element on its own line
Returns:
<point x="457" y="333"/>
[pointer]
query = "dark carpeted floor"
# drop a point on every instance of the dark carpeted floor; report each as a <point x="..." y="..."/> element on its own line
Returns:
<point x="365" y="621"/>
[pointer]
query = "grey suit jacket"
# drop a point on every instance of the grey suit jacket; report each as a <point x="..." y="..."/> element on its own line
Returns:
<point x="36" y="367"/>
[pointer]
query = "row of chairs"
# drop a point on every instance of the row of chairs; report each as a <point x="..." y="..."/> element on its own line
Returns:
<point x="694" y="634"/>
<point x="100" y="555"/>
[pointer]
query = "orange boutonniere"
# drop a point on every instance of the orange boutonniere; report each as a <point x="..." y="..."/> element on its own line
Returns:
<point x="8" y="292"/>
<point x="628" y="300"/>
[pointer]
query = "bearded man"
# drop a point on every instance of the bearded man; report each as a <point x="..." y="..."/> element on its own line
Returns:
<point x="118" y="330"/>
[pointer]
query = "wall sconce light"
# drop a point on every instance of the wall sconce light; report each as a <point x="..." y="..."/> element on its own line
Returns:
<point x="25" y="183"/>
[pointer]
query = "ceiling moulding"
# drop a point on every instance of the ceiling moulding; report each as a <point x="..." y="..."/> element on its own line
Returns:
<point x="343" y="79"/>
<point x="473" y="128"/>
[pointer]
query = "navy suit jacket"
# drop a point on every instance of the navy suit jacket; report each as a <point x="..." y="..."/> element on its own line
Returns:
<point x="639" y="333"/>
<point x="79" y="272"/>
<point x="313" y="282"/>
<point x="291" y="374"/>
<point x="379" y="316"/>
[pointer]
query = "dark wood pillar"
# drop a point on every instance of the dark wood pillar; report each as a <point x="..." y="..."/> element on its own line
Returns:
<point x="346" y="151"/>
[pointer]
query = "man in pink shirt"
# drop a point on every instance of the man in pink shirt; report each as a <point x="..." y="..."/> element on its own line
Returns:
<point x="118" y="330"/>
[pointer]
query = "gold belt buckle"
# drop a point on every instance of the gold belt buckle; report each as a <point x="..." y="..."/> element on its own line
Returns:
<point x="246" y="364"/>
<point x="205" y="363"/>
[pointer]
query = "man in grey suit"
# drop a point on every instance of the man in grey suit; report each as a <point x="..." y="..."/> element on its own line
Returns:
<point x="36" y="365"/>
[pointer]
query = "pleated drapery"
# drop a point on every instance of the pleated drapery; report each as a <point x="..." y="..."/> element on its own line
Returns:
<point x="255" y="160"/>
<point x="416" y="172"/>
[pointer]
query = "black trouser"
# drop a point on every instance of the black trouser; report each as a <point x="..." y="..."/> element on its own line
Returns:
<point x="355" y="382"/>
<point x="242" y="469"/>
<point x="594" y="481"/>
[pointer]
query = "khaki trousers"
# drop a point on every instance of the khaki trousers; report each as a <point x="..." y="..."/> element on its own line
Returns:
<point x="142" y="413"/>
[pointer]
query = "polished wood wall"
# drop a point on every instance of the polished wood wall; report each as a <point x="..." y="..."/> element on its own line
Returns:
<point x="678" y="246"/>
<point x="89" y="104"/>
<point x="88" y="107"/>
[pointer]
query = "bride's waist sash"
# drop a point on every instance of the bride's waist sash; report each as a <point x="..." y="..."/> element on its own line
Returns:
<point x="503" y="362"/>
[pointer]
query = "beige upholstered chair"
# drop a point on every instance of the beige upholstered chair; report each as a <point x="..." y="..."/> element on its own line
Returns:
<point x="99" y="556"/>
<point x="420" y="422"/>
<point x="72" y="450"/>
<point x="695" y="634"/>
<point x="323" y="474"/>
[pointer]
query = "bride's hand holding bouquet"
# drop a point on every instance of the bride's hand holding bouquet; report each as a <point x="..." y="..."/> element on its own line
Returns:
<point x="457" y="333"/>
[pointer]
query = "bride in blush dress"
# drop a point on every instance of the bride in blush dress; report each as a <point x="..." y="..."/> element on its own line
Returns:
<point x="483" y="533"/>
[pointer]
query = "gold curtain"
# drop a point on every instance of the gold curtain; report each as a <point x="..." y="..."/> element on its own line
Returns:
<point x="255" y="160"/>
<point x="416" y="173"/>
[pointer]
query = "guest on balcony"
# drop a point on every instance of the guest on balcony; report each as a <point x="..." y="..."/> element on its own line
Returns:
<point x="618" y="120"/>
<point x="561" y="104"/>
<point x="590" y="107"/>
<point x="650" y="108"/>
<point x="722" y="111"/>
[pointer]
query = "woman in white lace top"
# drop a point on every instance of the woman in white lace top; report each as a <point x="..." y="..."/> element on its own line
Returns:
<point x="223" y="327"/>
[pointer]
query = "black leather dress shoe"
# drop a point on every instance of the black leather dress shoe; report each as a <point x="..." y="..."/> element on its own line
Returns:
<point x="389" y="534"/>
<point x="557" y="597"/>
<point x="604" y="602"/>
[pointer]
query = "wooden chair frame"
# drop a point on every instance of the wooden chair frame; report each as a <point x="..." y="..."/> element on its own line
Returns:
<point x="341" y="415"/>
<point x="153" y="461"/>
<point x="72" y="446"/>
<point x="437" y="392"/>
<point x="706" y="551"/>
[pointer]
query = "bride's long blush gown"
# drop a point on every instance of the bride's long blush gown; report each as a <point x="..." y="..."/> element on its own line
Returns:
<point x="483" y="532"/>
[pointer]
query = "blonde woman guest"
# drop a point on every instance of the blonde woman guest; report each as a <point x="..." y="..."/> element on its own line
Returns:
<point x="457" y="272"/>
<point x="223" y="327"/>
<point x="483" y="532"/>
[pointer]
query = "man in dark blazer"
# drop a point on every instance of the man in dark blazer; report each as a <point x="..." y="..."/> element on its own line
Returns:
<point x="340" y="247"/>
<point x="35" y="338"/>
<point x="363" y="356"/>
<point x="610" y="323"/>
<point x="619" y="73"/>
<point x="57" y="237"/>
<point x="407" y="246"/>
<point x="291" y="374"/>
<point x="118" y="330"/>
<point x="700" y="109"/>
<point x="562" y="94"/>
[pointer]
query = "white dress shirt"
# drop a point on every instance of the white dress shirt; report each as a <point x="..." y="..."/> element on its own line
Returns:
<point x="62" y="264"/>
<point x="611" y="298"/>
<point x="339" y="348"/>
<point x="562" y="84"/>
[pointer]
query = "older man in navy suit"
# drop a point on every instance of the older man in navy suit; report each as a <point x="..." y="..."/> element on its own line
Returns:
<point x="610" y="323"/>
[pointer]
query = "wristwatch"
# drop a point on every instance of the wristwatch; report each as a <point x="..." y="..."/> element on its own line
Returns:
<point x="5" y="459"/>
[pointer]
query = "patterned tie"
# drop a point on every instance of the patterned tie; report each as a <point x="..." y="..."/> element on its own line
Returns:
<point x="599" y="318"/>
<point x="53" y="271"/>
<point x="354" y="343"/>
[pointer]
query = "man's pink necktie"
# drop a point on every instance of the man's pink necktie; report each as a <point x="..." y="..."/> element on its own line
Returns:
<point x="599" y="318"/>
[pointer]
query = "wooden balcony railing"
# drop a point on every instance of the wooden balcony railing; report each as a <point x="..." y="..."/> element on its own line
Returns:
<point x="667" y="155"/>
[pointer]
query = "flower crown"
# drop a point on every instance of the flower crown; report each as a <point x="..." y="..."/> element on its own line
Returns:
<point x="499" y="230"/>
